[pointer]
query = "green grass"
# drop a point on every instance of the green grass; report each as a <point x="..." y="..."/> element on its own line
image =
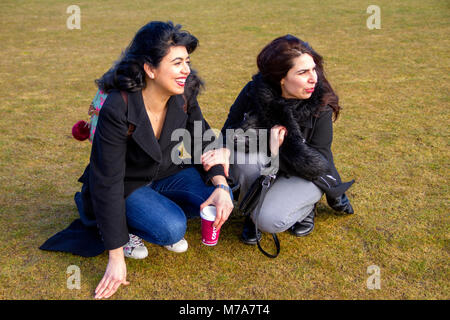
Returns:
<point x="392" y="137"/>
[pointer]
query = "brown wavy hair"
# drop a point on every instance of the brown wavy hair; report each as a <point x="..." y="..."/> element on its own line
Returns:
<point x="277" y="58"/>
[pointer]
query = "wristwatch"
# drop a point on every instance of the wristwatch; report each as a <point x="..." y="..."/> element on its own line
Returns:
<point x="222" y="186"/>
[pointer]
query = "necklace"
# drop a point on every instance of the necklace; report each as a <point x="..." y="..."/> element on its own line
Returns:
<point x="155" y="117"/>
<point x="151" y="114"/>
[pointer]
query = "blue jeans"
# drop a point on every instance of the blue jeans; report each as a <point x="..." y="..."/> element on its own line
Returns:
<point x="158" y="212"/>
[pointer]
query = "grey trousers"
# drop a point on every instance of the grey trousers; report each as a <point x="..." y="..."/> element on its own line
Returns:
<point x="288" y="200"/>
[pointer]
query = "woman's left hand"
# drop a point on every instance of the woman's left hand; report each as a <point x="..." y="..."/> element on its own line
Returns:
<point x="221" y="199"/>
<point x="214" y="157"/>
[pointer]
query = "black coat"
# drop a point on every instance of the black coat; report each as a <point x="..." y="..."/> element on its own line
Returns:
<point x="120" y="164"/>
<point x="310" y="133"/>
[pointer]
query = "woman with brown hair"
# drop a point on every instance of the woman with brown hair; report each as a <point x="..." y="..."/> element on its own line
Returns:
<point x="290" y="97"/>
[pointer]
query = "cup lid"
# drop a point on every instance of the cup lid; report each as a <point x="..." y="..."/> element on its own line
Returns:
<point x="209" y="213"/>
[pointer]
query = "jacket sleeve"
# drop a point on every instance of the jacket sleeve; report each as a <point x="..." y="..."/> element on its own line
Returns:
<point x="198" y="143"/>
<point x="107" y="171"/>
<point x="321" y="140"/>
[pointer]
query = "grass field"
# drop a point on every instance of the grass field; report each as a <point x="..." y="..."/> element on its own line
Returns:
<point x="392" y="137"/>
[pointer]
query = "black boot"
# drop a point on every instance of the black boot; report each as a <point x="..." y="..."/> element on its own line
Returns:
<point x="305" y="227"/>
<point x="341" y="203"/>
<point x="248" y="233"/>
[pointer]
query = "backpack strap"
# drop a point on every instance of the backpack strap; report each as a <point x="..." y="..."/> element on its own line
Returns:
<point x="92" y="110"/>
<point x="124" y="96"/>
<point x="185" y="103"/>
<point x="131" y="127"/>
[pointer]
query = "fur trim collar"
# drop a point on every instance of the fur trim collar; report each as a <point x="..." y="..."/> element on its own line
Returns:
<point x="270" y="109"/>
<point x="273" y="109"/>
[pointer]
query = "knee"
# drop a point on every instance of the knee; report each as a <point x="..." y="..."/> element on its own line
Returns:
<point x="171" y="232"/>
<point x="270" y="223"/>
<point x="166" y="228"/>
<point x="276" y="221"/>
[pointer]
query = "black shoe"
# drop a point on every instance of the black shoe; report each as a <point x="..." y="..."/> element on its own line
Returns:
<point x="248" y="233"/>
<point x="305" y="227"/>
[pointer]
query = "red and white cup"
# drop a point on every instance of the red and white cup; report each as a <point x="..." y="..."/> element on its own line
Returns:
<point x="210" y="235"/>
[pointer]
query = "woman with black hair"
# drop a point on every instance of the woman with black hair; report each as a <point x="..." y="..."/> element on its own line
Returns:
<point x="135" y="184"/>
<point x="290" y="97"/>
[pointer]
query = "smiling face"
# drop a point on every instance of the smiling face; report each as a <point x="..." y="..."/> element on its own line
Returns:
<point x="171" y="73"/>
<point x="301" y="79"/>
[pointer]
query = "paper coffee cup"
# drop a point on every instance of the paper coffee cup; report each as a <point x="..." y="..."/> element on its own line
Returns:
<point x="210" y="235"/>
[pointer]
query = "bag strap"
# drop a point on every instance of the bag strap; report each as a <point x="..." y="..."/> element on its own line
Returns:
<point x="131" y="127"/>
<point x="124" y="96"/>
<point x="266" y="183"/>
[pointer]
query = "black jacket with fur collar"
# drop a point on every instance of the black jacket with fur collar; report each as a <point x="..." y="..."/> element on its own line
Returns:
<point x="306" y="151"/>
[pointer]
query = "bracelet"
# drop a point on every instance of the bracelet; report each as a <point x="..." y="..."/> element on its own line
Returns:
<point x="222" y="186"/>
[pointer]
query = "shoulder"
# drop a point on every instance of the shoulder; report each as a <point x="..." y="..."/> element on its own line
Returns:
<point x="114" y="109"/>
<point x="246" y="94"/>
<point x="250" y="90"/>
<point x="249" y="86"/>
<point x="114" y="100"/>
<point x="324" y="119"/>
<point x="325" y="112"/>
<point x="114" y="104"/>
<point x="244" y="99"/>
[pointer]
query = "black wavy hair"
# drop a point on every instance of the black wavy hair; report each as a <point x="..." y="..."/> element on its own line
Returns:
<point x="150" y="44"/>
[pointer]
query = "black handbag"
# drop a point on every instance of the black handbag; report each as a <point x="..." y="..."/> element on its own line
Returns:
<point x="253" y="200"/>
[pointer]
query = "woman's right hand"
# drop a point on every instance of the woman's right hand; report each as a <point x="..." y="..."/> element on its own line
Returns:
<point x="115" y="275"/>
<point x="277" y="134"/>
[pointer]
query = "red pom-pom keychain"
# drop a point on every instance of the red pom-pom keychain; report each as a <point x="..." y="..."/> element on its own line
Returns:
<point x="80" y="130"/>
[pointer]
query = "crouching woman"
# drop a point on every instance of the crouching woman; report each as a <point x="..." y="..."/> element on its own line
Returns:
<point x="135" y="183"/>
<point x="291" y="98"/>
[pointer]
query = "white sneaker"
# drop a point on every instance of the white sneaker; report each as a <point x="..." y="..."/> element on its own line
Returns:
<point x="135" y="248"/>
<point x="180" y="246"/>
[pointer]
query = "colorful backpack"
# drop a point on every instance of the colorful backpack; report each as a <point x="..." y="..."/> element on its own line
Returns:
<point x="94" y="109"/>
<point x="83" y="130"/>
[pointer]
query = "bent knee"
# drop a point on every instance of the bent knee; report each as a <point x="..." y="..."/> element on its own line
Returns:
<point x="172" y="232"/>
<point x="163" y="235"/>
<point x="276" y="221"/>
